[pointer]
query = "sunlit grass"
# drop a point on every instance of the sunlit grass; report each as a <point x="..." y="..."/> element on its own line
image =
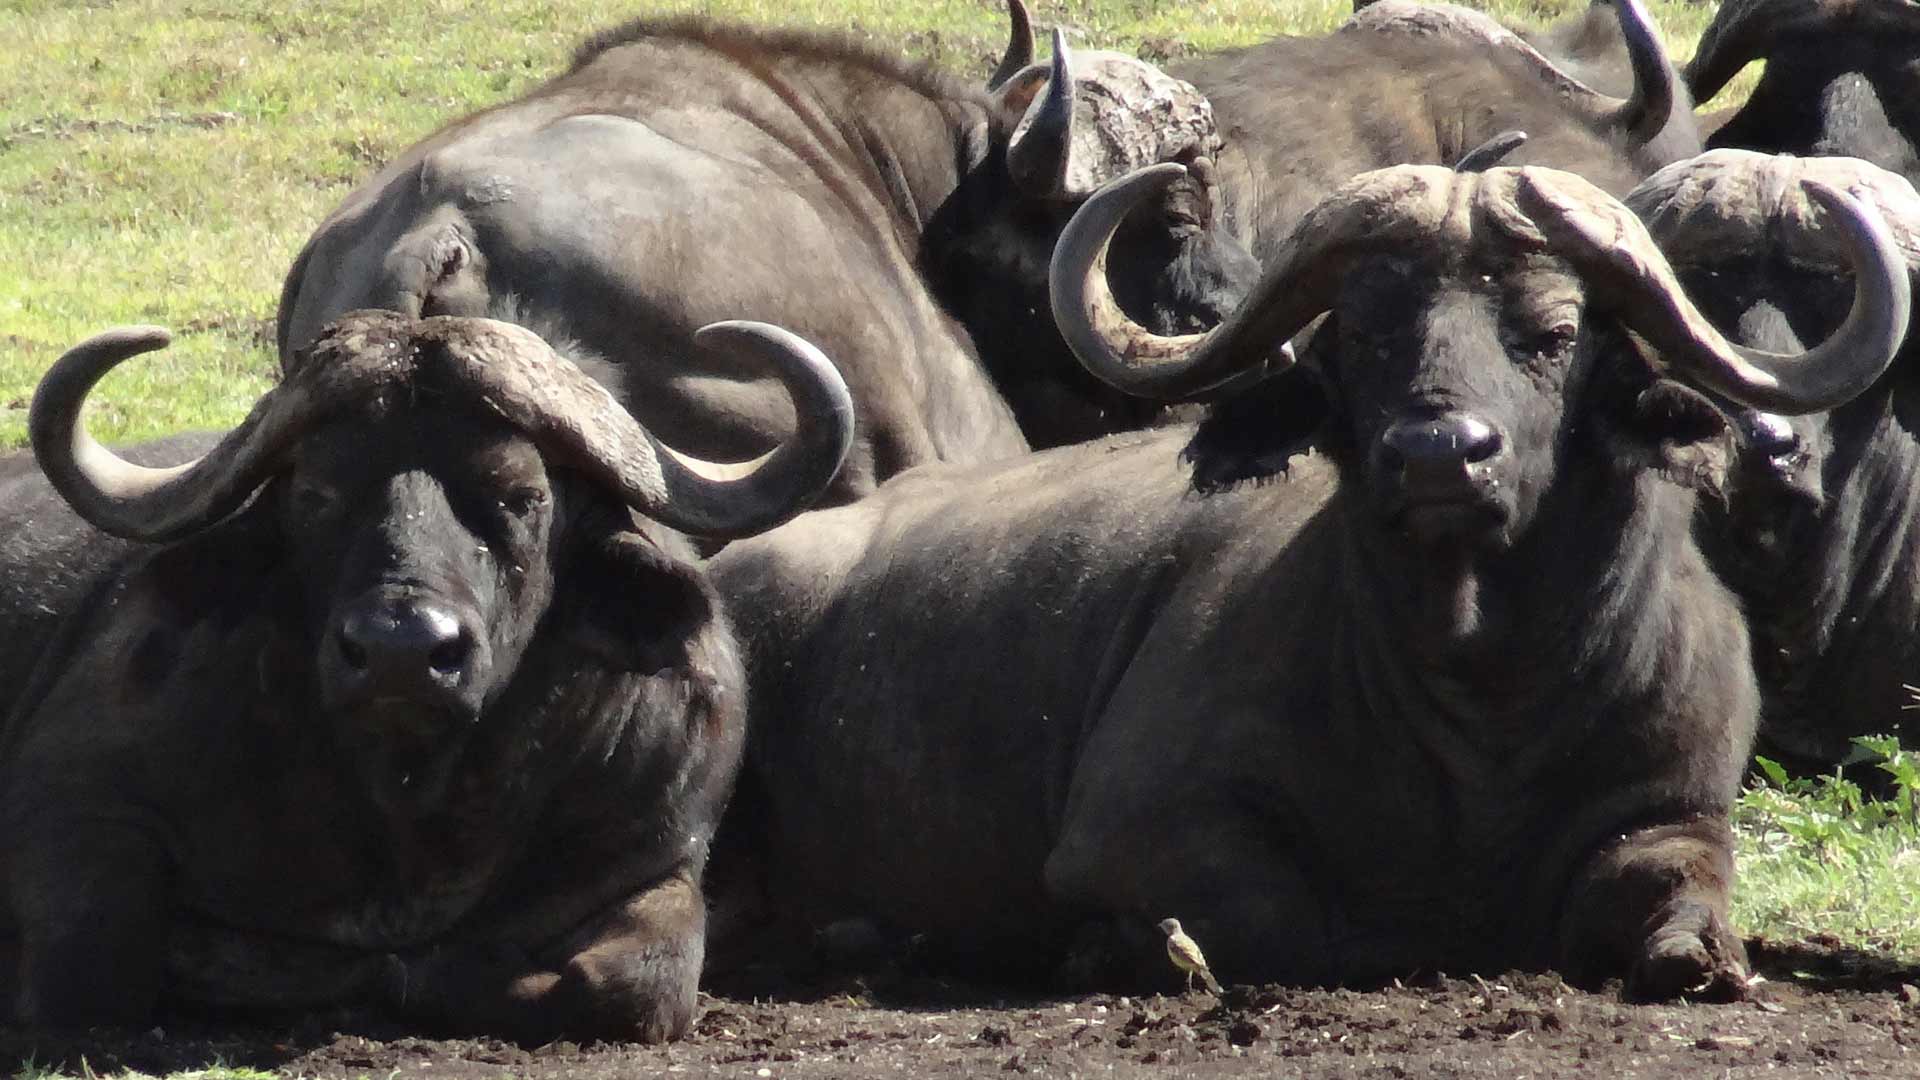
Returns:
<point x="162" y="160"/>
<point x="1817" y="856"/>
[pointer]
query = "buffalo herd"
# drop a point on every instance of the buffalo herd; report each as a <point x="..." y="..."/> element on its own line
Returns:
<point x="1366" y="496"/>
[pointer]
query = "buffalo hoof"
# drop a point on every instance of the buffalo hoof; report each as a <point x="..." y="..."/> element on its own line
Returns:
<point x="1694" y="956"/>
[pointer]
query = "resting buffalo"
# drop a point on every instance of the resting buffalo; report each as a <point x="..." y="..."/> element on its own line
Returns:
<point x="1816" y="532"/>
<point x="407" y="693"/>
<point x="1409" y="83"/>
<point x="684" y="170"/>
<point x="1459" y="691"/>
<point x="44" y="570"/>
<point x="1840" y="78"/>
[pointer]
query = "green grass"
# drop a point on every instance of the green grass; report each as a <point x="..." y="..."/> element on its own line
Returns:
<point x="162" y="160"/>
<point x="1816" y="856"/>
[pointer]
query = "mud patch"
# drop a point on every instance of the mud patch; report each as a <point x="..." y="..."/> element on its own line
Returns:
<point x="1821" y="1010"/>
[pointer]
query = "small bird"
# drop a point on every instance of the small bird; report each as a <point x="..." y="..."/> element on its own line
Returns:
<point x="1186" y="955"/>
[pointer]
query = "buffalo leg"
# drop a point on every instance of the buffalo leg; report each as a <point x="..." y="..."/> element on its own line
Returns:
<point x="1653" y="906"/>
<point x="632" y="972"/>
<point x="210" y="964"/>
<point x="88" y="899"/>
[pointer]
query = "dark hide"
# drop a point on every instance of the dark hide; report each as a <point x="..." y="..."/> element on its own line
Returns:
<point x="186" y="821"/>
<point x="1300" y="116"/>
<point x="1590" y="47"/>
<point x="685" y="171"/>
<point x="50" y="559"/>
<point x="1816" y="533"/>
<point x="1343" y="734"/>
<point x="1835" y="87"/>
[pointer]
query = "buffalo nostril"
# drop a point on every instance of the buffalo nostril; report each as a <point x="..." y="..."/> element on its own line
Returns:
<point x="1450" y="437"/>
<point x="1768" y="433"/>
<point x="449" y="658"/>
<point x="1485" y="446"/>
<point x="351" y="651"/>
<point x="405" y="645"/>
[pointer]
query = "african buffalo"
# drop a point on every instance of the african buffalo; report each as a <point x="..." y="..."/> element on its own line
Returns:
<point x="1842" y="78"/>
<point x="1459" y="691"/>
<point x="1816" y="529"/>
<point x="1410" y="83"/>
<point x="407" y="693"/>
<point x="684" y="170"/>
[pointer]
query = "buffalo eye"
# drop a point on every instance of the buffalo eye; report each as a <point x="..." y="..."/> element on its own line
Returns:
<point x="523" y="502"/>
<point x="312" y="499"/>
<point x="1555" y="340"/>
<point x="1181" y="218"/>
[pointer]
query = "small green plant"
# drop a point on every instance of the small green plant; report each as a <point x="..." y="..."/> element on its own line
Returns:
<point x="1817" y="854"/>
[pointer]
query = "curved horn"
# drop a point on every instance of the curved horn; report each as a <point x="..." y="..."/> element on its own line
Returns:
<point x="1644" y="114"/>
<point x="1038" y="156"/>
<point x="1826" y="376"/>
<point x="794" y="473"/>
<point x="1250" y="344"/>
<point x="1019" y="45"/>
<point x="133" y="501"/>
<point x="1114" y="348"/>
<point x="1740" y="33"/>
<point x="1488" y="154"/>
<point x="516" y="374"/>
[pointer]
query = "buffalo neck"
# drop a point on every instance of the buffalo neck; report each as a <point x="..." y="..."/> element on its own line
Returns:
<point x="1596" y="601"/>
<point x="1839" y="614"/>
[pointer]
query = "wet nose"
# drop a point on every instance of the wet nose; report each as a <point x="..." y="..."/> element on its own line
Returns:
<point x="403" y="649"/>
<point x="1768" y="433"/>
<point x="1437" y="453"/>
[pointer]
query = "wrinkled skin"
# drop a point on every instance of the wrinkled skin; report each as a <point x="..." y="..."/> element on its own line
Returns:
<point x="238" y="823"/>
<point x="1343" y="725"/>
<point x="717" y="171"/>
<point x="1301" y="115"/>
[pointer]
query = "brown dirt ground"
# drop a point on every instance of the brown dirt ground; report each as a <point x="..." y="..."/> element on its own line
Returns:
<point x="1822" y="1010"/>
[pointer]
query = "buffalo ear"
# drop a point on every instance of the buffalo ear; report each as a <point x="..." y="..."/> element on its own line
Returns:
<point x="1680" y="431"/>
<point x="634" y="605"/>
<point x="1252" y="435"/>
<point x="1012" y="98"/>
<point x="1671" y="412"/>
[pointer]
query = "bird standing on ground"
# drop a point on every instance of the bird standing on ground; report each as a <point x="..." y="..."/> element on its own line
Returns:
<point x="1186" y="955"/>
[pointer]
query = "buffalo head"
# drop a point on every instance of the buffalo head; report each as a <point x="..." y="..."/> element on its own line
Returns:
<point x="1813" y="527"/>
<point x="1055" y="133"/>
<point x="428" y="481"/>
<point x="1470" y="347"/>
